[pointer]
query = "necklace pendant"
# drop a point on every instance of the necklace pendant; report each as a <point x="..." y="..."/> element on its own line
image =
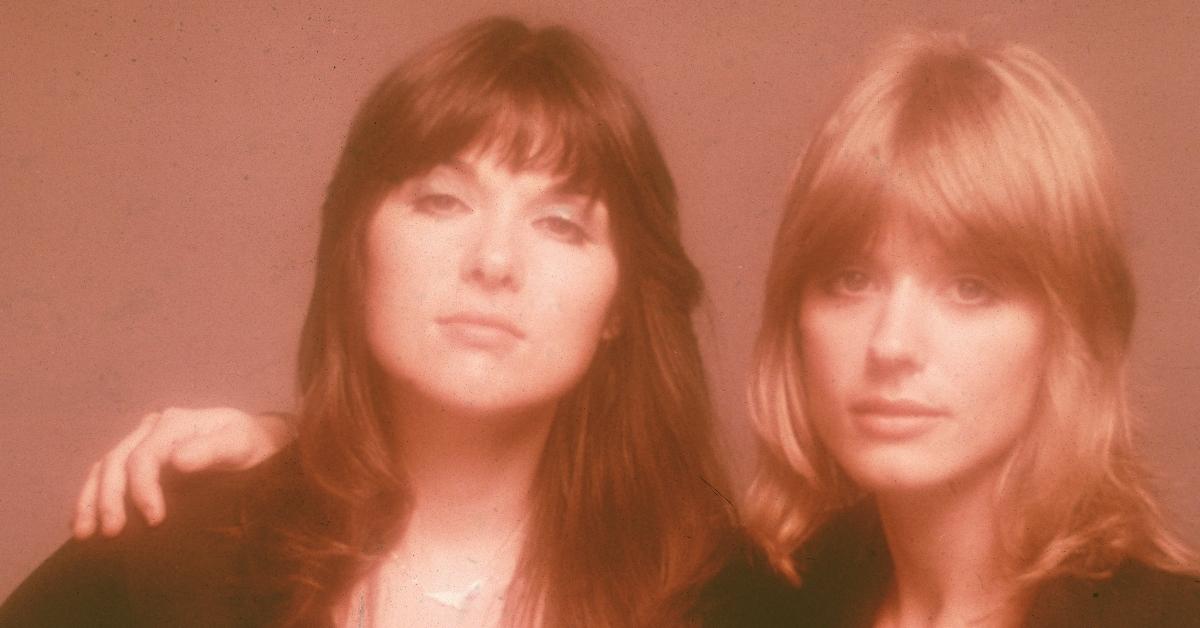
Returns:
<point x="458" y="600"/>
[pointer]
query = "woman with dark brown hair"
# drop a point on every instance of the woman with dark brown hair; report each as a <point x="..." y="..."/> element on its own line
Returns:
<point x="502" y="415"/>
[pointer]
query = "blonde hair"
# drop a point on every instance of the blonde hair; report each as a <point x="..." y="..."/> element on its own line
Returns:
<point x="996" y="155"/>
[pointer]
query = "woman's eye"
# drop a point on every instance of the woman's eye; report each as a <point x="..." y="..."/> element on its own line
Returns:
<point x="563" y="229"/>
<point x="849" y="282"/>
<point x="439" y="204"/>
<point x="971" y="291"/>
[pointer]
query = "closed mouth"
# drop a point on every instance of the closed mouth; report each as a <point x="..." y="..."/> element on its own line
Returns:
<point x="899" y="408"/>
<point x="483" y="322"/>
<point x="895" y="419"/>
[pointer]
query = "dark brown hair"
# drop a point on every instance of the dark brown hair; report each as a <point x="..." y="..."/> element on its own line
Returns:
<point x="625" y="519"/>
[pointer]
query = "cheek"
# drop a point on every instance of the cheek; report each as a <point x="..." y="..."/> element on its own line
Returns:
<point x="402" y="280"/>
<point x="574" y="301"/>
<point x="831" y="350"/>
<point x="828" y="350"/>
<point x="399" y="258"/>
<point x="999" y="374"/>
<point x="390" y="327"/>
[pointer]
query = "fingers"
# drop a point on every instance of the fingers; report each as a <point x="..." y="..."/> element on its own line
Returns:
<point x="84" y="523"/>
<point x="112" y="479"/>
<point x="222" y="450"/>
<point x="189" y="440"/>
<point x="144" y="465"/>
<point x="144" y="479"/>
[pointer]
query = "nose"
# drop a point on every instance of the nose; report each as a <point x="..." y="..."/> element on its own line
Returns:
<point x="493" y="259"/>
<point x="897" y="342"/>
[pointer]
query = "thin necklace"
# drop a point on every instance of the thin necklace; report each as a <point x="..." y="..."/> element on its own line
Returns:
<point x="455" y="599"/>
<point x="459" y="600"/>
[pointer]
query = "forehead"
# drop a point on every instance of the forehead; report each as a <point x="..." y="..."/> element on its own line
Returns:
<point x="901" y="242"/>
<point x="902" y="237"/>
<point x="899" y="236"/>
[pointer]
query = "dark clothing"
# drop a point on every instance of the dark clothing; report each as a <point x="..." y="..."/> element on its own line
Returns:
<point x="747" y="593"/>
<point x="847" y="568"/>
<point x="1136" y="595"/>
<point x="214" y="562"/>
<point x="202" y="568"/>
<point x="195" y="569"/>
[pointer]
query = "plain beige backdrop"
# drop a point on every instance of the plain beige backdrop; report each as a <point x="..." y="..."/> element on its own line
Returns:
<point x="161" y="167"/>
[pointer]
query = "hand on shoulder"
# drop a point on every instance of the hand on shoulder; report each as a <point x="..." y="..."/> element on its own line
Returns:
<point x="181" y="439"/>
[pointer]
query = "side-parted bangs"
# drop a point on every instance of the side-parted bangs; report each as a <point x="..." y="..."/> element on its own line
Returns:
<point x="948" y="145"/>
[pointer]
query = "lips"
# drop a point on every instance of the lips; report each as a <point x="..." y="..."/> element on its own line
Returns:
<point x="894" y="419"/>
<point x="895" y="407"/>
<point x="480" y="330"/>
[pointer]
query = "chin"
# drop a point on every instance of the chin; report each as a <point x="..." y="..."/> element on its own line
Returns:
<point x="475" y="400"/>
<point x="485" y="396"/>
<point x="477" y="386"/>
<point x="888" y="469"/>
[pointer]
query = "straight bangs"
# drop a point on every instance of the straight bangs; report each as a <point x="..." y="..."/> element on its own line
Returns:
<point x="524" y="126"/>
<point x="547" y="129"/>
<point x="525" y="98"/>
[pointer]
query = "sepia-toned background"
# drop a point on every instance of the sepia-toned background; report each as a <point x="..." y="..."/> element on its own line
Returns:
<point x="161" y="167"/>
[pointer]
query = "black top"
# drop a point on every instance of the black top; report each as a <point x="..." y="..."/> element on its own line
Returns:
<point x="206" y="565"/>
<point x="195" y="569"/>
<point x="847" y="568"/>
<point x="199" y="569"/>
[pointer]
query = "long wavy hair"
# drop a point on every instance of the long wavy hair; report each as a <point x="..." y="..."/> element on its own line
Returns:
<point x="625" y="521"/>
<point x="997" y="156"/>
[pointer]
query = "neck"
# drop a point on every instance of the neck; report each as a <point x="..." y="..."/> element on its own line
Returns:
<point x="469" y="474"/>
<point x="948" y="564"/>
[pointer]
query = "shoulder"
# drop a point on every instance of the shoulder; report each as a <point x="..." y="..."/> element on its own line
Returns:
<point x="80" y="584"/>
<point x="845" y="568"/>
<point x="748" y="592"/>
<point x="1135" y="595"/>
<point x="188" y="571"/>
<point x="843" y="571"/>
<point x="204" y="560"/>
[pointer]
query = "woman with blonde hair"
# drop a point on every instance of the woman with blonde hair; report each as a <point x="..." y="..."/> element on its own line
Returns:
<point x="939" y="390"/>
<point x="503" y="417"/>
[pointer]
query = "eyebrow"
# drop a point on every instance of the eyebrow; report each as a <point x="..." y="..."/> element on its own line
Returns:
<point x="557" y="191"/>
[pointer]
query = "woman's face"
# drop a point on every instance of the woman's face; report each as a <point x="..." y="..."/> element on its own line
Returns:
<point x="920" y="370"/>
<point x="487" y="290"/>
